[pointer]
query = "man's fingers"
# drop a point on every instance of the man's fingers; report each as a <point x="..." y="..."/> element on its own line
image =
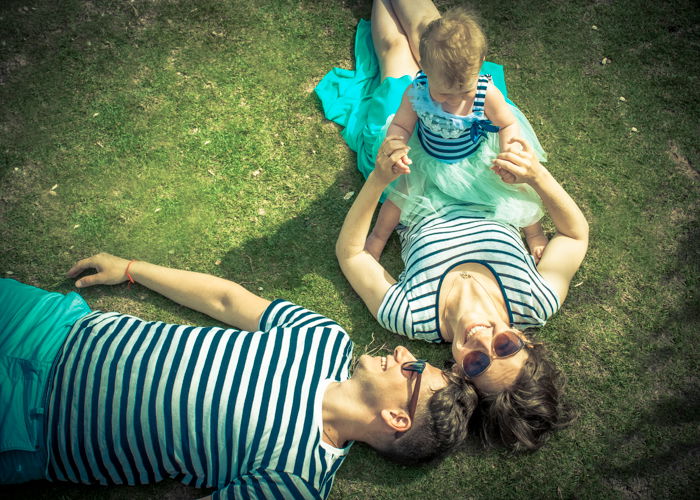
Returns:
<point x="93" y="279"/>
<point x="79" y="267"/>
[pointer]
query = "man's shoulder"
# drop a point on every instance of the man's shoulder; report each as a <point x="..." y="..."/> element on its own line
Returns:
<point x="283" y="313"/>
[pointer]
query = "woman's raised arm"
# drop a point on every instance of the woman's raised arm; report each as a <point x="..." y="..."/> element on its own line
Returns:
<point x="367" y="276"/>
<point x="216" y="297"/>
<point x="563" y="255"/>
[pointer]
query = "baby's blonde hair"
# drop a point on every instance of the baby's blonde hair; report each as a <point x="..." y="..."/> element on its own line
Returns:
<point x="453" y="45"/>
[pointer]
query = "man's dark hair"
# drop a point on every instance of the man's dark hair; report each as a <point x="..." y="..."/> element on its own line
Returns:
<point x="524" y="416"/>
<point x="439" y="427"/>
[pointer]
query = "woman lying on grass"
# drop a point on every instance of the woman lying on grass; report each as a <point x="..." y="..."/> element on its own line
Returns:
<point x="468" y="280"/>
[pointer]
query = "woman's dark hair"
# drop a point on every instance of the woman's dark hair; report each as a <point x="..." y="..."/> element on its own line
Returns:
<point x="524" y="416"/>
<point x="439" y="427"/>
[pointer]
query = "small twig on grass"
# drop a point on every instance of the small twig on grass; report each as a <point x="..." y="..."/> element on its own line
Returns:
<point x="250" y="261"/>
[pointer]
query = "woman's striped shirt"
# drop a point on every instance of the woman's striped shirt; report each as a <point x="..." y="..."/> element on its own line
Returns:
<point x="436" y="244"/>
<point x="133" y="402"/>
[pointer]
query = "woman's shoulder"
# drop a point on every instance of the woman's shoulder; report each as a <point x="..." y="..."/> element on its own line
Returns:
<point x="410" y="312"/>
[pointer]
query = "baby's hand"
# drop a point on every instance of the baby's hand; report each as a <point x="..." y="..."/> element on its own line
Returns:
<point x="401" y="166"/>
<point x="392" y="159"/>
<point x="505" y="176"/>
<point x="402" y="162"/>
<point x="536" y="242"/>
<point x="523" y="165"/>
<point x="537" y="252"/>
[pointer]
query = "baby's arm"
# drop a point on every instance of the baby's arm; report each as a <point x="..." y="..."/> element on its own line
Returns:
<point x="402" y="125"/>
<point x="498" y="112"/>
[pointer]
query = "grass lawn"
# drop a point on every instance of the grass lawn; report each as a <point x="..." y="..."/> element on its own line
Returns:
<point x="188" y="134"/>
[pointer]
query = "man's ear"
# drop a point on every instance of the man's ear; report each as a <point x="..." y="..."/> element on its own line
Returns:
<point x="397" y="420"/>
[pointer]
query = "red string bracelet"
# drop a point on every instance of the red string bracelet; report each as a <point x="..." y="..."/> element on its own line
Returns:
<point x="131" y="280"/>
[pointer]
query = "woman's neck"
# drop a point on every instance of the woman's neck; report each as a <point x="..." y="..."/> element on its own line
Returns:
<point x="472" y="288"/>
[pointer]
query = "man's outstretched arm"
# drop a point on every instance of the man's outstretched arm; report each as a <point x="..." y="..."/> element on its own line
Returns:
<point x="216" y="297"/>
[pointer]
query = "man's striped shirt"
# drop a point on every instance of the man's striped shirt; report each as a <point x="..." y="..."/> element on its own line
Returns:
<point x="133" y="402"/>
<point x="434" y="245"/>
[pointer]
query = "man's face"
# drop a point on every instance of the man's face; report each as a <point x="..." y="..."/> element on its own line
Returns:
<point x="387" y="385"/>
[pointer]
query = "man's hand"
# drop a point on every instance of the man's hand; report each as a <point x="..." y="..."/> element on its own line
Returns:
<point x="111" y="270"/>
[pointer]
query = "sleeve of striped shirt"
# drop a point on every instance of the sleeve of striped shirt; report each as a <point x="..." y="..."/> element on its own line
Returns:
<point x="282" y="313"/>
<point x="394" y="313"/>
<point x="267" y="484"/>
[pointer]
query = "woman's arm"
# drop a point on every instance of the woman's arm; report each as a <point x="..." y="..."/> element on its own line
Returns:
<point x="563" y="255"/>
<point x="216" y="297"/>
<point x="367" y="277"/>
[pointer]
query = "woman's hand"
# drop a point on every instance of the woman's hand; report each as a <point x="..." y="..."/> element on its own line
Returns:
<point x="392" y="159"/>
<point x="111" y="270"/>
<point x="516" y="167"/>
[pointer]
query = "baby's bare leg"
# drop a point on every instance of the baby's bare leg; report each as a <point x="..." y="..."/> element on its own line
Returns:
<point x="536" y="240"/>
<point x="387" y="220"/>
<point x="414" y="16"/>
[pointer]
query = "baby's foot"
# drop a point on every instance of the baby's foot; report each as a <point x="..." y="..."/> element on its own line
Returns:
<point x="536" y="244"/>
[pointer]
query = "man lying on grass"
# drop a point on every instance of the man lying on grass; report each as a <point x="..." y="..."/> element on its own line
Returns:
<point x="266" y="411"/>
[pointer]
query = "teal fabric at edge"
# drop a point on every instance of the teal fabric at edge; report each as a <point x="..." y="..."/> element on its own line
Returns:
<point x="33" y="325"/>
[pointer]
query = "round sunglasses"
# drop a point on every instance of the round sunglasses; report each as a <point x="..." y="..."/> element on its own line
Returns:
<point x="504" y="345"/>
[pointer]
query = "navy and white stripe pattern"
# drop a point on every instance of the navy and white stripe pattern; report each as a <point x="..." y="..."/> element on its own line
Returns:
<point x="445" y="136"/>
<point x="454" y="236"/>
<point x="133" y="402"/>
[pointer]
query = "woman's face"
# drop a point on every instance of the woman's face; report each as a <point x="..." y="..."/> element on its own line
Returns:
<point x="478" y="335"/>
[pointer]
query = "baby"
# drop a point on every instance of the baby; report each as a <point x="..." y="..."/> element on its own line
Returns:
<point x="461" y="122"/>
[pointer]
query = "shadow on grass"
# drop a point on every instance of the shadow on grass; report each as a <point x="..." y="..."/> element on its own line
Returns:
<point x="299" y="256"/>
<point x="167" y="489"/>
<point x="665" y="436"/>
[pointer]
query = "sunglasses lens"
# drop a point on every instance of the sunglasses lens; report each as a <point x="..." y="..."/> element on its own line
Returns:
<point x="416" y="366"/>
<point x="506" y="344"/>
<point x="475" y="363"/>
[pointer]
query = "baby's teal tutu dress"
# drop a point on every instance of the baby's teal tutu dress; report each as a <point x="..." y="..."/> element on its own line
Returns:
<point x="365" y="107"/>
